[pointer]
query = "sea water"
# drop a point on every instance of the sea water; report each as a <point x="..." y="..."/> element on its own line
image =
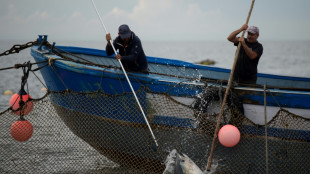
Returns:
<point x="290" y="58"/>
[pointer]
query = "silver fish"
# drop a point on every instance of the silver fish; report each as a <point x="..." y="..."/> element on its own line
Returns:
<point x="180" y="164"/>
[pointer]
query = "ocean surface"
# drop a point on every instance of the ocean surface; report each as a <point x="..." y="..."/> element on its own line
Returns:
<point x="289" y="58"/>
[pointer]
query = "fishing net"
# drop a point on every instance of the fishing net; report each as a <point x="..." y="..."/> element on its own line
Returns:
<point x="71" y="135"/>
<point x="105" y="132"/>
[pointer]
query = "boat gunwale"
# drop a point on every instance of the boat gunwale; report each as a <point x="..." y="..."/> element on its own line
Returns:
<point x="159" y="78"/>
<point x="174" y="62"/>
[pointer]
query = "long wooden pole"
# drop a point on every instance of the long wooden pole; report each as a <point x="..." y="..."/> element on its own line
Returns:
<point x="133" y="91"/>
<point x="226" y="93"/>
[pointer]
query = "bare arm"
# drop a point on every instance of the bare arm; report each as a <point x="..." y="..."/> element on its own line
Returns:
<point x="233" y="36"/>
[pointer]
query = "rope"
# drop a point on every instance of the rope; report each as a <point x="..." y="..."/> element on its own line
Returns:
<point x="275" y="99"/>
<point x="266" y="134"/>
<point x="39" y="79"/>
<point x="17" y="66"/>
<point x="73" y="55"/>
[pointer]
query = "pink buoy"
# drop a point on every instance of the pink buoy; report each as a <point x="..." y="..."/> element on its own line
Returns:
<point x="21" y="130"/>
<point x="229" y="135"/>
<point x="26" y="108"/>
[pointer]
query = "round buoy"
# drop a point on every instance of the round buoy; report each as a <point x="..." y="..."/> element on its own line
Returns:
<point x="229" y="135"/>
<point x="8" y="92"/>
<point x="43" y="89"/>
<point x="15" y="104"/>
<point x="21" y="130"/>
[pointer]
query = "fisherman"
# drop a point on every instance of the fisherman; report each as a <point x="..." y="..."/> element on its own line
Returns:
<point x="250" y="52"/>
<point x="130" y="50"/>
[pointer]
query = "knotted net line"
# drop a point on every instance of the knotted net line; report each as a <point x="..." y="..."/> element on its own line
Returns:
<point x="102" y="133"/>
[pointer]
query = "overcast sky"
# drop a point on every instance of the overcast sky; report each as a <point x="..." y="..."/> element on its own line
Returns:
<point x="159" y="20"/>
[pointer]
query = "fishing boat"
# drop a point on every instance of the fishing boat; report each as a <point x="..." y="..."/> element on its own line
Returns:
<point x="90" y="93"/>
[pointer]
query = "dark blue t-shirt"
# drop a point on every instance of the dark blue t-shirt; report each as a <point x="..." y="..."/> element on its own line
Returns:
<point x="133" y="57"/>
<point x="246" y="68"/>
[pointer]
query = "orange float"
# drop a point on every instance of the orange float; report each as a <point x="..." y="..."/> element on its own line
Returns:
<point x="15" y="104"/>
<point x="229" y="135"/>
<point x="21" y="130"/>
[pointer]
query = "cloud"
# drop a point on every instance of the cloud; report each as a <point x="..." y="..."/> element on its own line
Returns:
<point x="117" y="12"/>
<point x="151" y="20"/>
<point x="166" y="19"/>
<point x="76" y="15"/>
<point x="74" y="26"/>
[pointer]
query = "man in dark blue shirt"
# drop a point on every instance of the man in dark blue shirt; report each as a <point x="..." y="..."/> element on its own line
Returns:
<point x="130" y="50"/>
<point x="250" y="52"/>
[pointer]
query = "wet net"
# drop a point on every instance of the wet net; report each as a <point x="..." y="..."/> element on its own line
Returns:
<point x="101" y="133"/>
<point x="105" y="132"/>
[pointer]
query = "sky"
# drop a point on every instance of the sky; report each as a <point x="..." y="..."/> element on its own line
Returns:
<point x="153" y="20"/>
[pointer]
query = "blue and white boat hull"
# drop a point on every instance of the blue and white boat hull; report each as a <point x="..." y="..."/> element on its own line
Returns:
<point x="182" y="81"/>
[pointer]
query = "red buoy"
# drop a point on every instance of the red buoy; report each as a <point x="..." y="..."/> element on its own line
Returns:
<point x="15" y="104"/>
<point x="229" y="135"/>
<point x="21" y="130"/>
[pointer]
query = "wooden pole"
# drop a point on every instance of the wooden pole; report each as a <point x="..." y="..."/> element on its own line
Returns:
<point x="226" y="94"/>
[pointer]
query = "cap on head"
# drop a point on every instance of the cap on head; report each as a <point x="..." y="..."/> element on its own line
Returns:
<point x="124" y="31"/>
<point x="253" y="29"/>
